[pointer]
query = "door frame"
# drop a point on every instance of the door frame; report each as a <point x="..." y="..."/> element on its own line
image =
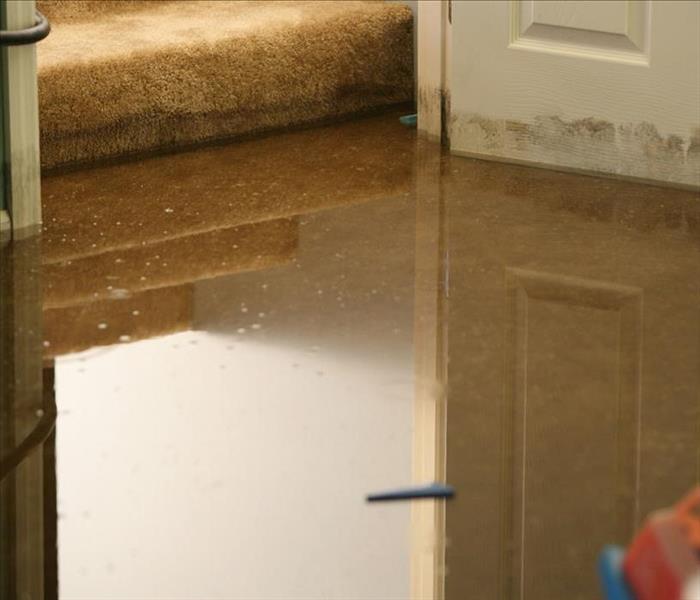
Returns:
<point x="433" y="63"/>
<point x="20" y="113"/>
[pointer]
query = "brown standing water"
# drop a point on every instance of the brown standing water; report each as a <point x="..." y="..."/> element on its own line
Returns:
<point x="238" y="343"/>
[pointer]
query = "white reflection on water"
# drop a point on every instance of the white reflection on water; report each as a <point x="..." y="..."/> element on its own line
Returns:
<point x="178" y="478"/>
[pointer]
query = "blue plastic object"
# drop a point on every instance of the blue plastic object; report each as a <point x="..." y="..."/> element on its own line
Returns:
<point x="433" y="490"/>
<point x="409" y="120"/>
<point x="612" y="577"/>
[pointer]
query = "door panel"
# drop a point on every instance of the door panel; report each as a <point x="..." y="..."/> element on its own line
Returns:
<point x="607" y="30"/>
<point x="610" y="86"/>
<point x="609" y="17"/>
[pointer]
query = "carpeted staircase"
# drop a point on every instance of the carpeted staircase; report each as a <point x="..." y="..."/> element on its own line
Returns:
<point x="121" y="78"/>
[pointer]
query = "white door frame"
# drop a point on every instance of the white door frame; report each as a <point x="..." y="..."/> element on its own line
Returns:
<point x="22" y="126"/>
<point x="433" y="68"/>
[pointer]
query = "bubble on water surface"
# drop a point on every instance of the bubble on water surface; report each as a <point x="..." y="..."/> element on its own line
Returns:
<point x="119" y="293"/>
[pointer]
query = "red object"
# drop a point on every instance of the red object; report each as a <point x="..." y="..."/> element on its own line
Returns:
<point x="665" y="556"/>
<point x="688" y="513"/>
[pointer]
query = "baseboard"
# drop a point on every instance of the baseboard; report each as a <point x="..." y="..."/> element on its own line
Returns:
<point x="5" y="227"/>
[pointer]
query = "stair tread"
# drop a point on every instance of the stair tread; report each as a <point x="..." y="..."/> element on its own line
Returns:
<point x="177" y="73"/>
<point x="182" y="26"/>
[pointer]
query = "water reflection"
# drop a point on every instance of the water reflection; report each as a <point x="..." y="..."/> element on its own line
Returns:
<point x="228" y="460"/>
<point x="247" y="445"/>
<point x="574" y="352"/>
<point x="226" y="400"/>
<point x="228" y="394"/>
<point x="27" y="416"/>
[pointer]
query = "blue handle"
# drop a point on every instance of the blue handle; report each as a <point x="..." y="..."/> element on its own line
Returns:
<point x="612" y="577"/>
<point x="409" y="120"/>
<point x="433" y="490"/>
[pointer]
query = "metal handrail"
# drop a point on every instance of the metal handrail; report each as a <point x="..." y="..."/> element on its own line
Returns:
<point x="42" y="430"/>
<point x="31" y="35"/>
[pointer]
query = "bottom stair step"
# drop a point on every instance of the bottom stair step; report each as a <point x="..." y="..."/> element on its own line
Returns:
<point x="152" y="75"/>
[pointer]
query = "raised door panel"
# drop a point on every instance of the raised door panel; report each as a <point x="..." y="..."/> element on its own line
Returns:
<point x="611" y="30"/>
<point x="591" y="15"/>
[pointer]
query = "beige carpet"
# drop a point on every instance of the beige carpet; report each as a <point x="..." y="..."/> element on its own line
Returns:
<point x="124" y="78"/>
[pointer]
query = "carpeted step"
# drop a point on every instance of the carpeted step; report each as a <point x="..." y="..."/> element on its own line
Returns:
<point x="124" y="78"/>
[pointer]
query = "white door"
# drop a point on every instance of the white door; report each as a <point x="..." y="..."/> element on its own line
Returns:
<point x="592" y="85"/>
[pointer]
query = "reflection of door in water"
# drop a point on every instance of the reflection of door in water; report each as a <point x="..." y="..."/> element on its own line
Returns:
<point x="27" y="414"/>
<point x="573" y="405"/>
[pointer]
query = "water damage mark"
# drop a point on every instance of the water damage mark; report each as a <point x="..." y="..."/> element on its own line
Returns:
<point x="626" y="149"/>
<point x="694" y="146"/>
<point x="433" y="111"/>
<point x="429" y="122"/>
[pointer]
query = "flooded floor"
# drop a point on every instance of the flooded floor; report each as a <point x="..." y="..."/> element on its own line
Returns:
<point x="238" y="344"/>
